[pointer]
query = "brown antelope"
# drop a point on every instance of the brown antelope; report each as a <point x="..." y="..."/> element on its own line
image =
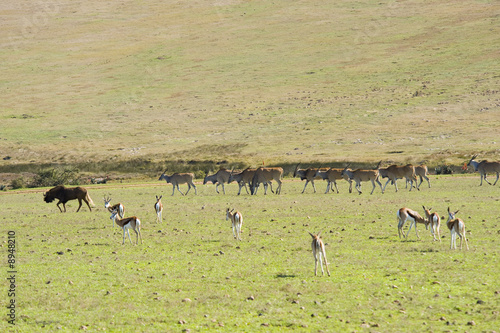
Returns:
<point x="265" y="176"/>
<point x="456" y="226"/>
<point x="118" y="206"/>
<point x="485" y="167"/>
<point x="395" y="172"/>
<point x="64" y="194"/>
<point x="159" y="209"/>
<point x="308" y="174"/>
<point x="405" y="214"/>
<point x="318" y="249"/>
<point x="331" y="175"/>
<point x="422" y="172"/>
<point x="242" y="178"/>
<point x="236" y="221"/>
<point x="434" y="220"/>
<point x="128" y="223"/>
<point x="219" y="178"/>
<point x="179" y="178"/>
<point x="359" y="176"/>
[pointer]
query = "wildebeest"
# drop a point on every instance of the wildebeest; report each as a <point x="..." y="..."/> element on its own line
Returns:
<point x="64" y="194"/>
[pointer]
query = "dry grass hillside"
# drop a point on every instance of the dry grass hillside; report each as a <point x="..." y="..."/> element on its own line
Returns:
<point x="251" y="81"/>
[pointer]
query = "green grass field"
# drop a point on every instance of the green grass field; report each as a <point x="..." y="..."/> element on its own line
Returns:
<point x="190" y="274"/>
<point x="249" y="81"/>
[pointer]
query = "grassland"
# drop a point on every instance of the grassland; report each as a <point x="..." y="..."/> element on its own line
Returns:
<point x="190" y="274"/>
<point x="249" y="81"/>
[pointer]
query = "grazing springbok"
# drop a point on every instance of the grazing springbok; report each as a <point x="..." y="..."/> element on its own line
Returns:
<point x="359" y="176"/>
<point x="159" y="209"/>
<point x="308" y="174"/>
<point x="395" y="172"/>
<point x="219" y="178"/>
<point x="265" y="176"/>
<point x="405" y="214"/>
<point x="179" y="178"/>
<point x="456" y="226"/>
<point x="485" y="167"/>
<point x="64" y="194"/>
<point x="331" y="175"/>
<point x="318" y="249"/>
<point x="236" y="221"/>
<point x="434" y="220"/>
<point x="243" y="178"/>
<point x="119" y="207"/>
<point x="128" y="223"/>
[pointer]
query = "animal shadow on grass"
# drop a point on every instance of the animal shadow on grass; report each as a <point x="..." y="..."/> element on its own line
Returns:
<point x="285" y="276"/>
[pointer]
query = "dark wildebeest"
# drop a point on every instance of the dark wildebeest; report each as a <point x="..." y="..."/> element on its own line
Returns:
<point x="64" y="194"/>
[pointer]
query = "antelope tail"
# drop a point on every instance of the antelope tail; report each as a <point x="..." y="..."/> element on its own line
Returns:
<point x="87" y="196"/>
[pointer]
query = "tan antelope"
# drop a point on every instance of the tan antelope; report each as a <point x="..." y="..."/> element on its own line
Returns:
<point x="434" y="221"/>
<point x="318" y="249"/>
<point x="308" y="174"/>
<point x="119" y="207"/>
<point x="331" y="175"/>
<point x="395" y="172"/>
<point x="242" y="178"/>
<point x="236" y="221"/>
<point x="179" y="178"/>
<point x="219" y="178"/>
<point x="457" y="227"/>
<point x="359" y="176"/>
<point x="422" y="172"/>
<point x="159" y="209"/>
<point x="265" y="176"/>
<point x="405" y="214"/>
<point x="128" y="223"/>
<point x="485" y="167"/>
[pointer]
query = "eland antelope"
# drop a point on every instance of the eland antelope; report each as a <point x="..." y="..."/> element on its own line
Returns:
<point x="359" y="176"/>
<point x="179" y="178"/>
<point x="265" y="176"/>
<point x="308" y="174"/>
<point x="242" y="178"/>
<point x="331" y="175"/>
<point x="395" y="172"/>
<point x="219" y="178"/>
<point x="485" y="167"/>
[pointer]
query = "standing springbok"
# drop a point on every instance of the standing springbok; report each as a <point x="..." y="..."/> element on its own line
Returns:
<point x="331" y="175"/>
<point x="265" y="176"/>
<point x="395" y="172"/>
<point x="405" y="214"/>
<point x="128" y="223"/>
<point x="359" y="176"/>
<point x="119" y="207"/>
<point x="242" y="178"/>
<point x="159" y="209"/>
<point x="179" y="178"/>
<point x="236" y="221"/>
<point x="219" y="178"/>
<point x="485" y="167"/>
<point x="308" y="174"/>
<point x="318" y="249"/>
<point x="456" y="226"/>
<point x="434" y="220"/>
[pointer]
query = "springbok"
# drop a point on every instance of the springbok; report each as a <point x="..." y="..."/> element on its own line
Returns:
<point x="405" y="214"/>
<point x="359" y="176"/>
<point x="119" y="206"/>
<point x="219" y="178"/>
<point x="236" y="221"/>
<point x="265" y="176"/>
<point x="434" y="220"/>
<point x="308" y="174"/>
<point x="179" y="178"/>
<point x="128" y="223"/>
<point x="318" y="249"/>
<point x="242" y="178"/>
<point x="395" y="172"/>
<point x="159" y="209"/>
<point x="456" y="226"/>
<point x="485" y="167"/>
<point x="331" y="175"/>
